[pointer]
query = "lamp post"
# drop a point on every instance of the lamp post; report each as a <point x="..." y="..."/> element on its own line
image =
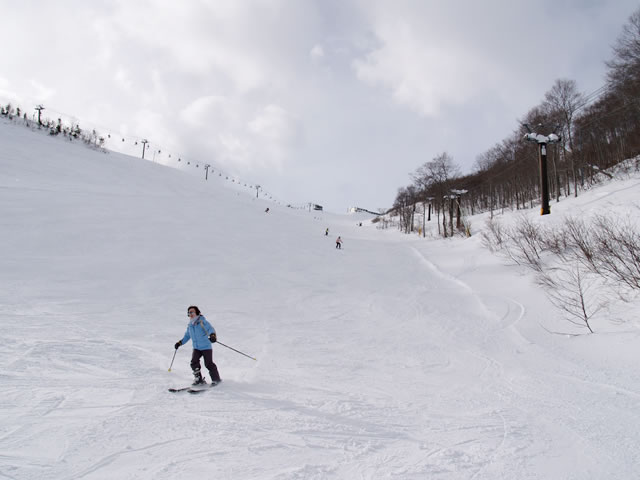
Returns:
<point x="144" y="144"/>
<point x="206" y="171"/>
<point x="542" y="141"/>
<point x="456" y="195"/>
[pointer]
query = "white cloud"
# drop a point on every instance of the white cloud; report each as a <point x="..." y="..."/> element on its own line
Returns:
<point x="272" y="122"/>
<point x="203" y="109"/>
<point x="423" y="68"/>
<point x="274" y="132"/>
<point x="41" y="92"/>
<point x="123" y="79"/>
<point x="317" y="52"/>
<point x="6" y="94"/>
<point x="214" y="38"/>
<point x="239" y="136"/>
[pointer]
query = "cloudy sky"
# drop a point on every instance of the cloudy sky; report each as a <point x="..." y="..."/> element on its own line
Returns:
<point x="326" y="101"/>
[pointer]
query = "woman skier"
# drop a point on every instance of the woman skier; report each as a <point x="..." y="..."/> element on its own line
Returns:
<point x="202" y="334"/>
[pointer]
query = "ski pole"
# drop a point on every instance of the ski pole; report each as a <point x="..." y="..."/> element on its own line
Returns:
<point x="238" y="351"/>
<point x="174" y="357"/>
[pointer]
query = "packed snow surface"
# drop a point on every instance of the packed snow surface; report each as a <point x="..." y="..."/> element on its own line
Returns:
<point x="395" y="357"/>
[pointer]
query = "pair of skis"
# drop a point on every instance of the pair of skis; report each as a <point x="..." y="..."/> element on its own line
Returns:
<point x="194" y="389"/>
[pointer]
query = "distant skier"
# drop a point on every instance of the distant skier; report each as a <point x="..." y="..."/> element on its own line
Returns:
<point x="267" y="210"/>
<point x="339" y="243"/>
<point x="326" y="233"/>
<point x="202" y="334"/>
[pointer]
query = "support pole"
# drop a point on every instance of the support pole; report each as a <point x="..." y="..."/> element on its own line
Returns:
<point x="545" y="209"/>
<point x="542" y="141"/>
<point x="39" y="108"/>
<point x="144" y="145"/>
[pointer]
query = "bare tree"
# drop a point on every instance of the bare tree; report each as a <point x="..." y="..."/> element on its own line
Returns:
<point x="562" y="102"/>
<point x="495" y="236"/>
<point x="422" y="182"/>
<point x="569" y="288"/>
<point x="404" y="205"/>
<point x="436" y="176"/>
<point x="624" y="68"/>
<point x="617" y="256"/>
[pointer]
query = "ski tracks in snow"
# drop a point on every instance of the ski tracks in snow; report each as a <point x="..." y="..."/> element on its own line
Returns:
<point x="479" y="337"/>
<point x="522" y="376"/>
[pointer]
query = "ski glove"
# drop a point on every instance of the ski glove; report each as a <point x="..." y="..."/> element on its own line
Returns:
<point x="178" y="343"/>
<point x="213" y="338"/>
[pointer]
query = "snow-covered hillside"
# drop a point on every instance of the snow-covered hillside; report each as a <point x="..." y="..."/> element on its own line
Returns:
<point x="396" y="357"/>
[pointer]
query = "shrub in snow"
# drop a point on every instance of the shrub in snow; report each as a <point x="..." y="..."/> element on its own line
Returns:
<point x="581" y="264"/>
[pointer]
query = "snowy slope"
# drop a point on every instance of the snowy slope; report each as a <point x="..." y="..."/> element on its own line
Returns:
<point x="393" y="358"/>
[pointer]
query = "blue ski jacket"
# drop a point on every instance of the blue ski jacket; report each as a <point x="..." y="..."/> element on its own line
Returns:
<point x="198" y="331"/>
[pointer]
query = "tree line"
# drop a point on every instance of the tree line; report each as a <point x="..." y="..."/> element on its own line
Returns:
<point x="598" y="130"/>
<point x="72" y="131"/>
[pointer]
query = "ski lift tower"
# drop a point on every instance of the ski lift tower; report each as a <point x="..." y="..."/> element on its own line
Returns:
<point x="542" y="141"/>
<point x="39" y="108"/>
<point x="144" y="145"/>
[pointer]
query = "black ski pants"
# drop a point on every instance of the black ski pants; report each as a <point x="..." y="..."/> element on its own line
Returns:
<point x="208" y="362"/>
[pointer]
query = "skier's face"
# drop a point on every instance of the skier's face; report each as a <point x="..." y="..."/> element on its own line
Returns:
<point x="191" y="313"/>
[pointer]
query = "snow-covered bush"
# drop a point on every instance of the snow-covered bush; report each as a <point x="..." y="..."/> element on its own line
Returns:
<point x="582" y="264"/>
